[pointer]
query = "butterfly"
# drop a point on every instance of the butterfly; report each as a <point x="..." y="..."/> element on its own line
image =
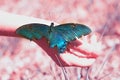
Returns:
<point x="59" y="35"/>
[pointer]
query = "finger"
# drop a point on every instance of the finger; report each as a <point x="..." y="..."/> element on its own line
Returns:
<point x="73" y="60"/>
<point x="76" y="48"/>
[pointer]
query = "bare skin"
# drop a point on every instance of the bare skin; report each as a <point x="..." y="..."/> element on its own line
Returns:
<point x="73" y="56"/>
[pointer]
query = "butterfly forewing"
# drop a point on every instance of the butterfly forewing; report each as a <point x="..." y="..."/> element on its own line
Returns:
<point x="66" y="31"/>
<point x="70" y="31"/>
<point x="33" y="31"/>
<point x="81" y="29"/>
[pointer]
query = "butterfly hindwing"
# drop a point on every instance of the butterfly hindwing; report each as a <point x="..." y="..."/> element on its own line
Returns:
<point x="33" y="31"/>
<point x="56" y="39"/>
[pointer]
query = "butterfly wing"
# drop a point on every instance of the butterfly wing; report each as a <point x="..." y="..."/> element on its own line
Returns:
<point x="64" y="33"/>
<point x="70" y="31"/>
<point x="33" y="31"/>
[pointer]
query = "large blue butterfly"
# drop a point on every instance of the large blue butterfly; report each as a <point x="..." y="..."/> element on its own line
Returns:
<point x="59" y="35"/>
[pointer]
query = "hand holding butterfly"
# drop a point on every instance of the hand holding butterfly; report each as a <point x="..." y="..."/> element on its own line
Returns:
<point x="73" y="56"/>
<point x="76" y="54"/>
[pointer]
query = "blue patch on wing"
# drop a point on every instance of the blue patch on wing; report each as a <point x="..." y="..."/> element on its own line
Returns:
<point x="56" y="39"/>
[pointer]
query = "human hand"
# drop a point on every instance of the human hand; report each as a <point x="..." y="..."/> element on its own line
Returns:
<point x="75" y="55"/>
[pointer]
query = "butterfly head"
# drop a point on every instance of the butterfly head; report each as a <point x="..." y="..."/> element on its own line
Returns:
<point x="52" y="24"/>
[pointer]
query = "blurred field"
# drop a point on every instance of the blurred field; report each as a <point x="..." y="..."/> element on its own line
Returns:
<point x="21" y="59"/>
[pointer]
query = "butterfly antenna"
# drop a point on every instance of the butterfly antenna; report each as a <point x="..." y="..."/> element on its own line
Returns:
<point x="63" y="69"/>
<point x="50" y="15"/>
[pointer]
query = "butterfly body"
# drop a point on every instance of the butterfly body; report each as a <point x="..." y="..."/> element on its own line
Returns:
<point x="58" y="36"/>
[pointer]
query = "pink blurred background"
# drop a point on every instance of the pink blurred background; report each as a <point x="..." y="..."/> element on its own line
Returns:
<point x="21" y="59"/>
